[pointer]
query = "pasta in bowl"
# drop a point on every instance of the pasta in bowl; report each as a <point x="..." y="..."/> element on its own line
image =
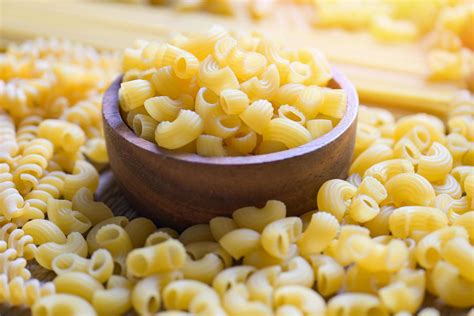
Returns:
<point x="187" y="152"/>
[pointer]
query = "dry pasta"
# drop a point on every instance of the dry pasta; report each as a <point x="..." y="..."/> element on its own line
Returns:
<point x="225" y="92"/>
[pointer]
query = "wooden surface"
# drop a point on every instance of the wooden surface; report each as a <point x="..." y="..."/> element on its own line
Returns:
<point x="183" y="189"/>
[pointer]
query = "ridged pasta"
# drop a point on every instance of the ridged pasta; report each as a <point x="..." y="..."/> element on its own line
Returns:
<point x="164" y="257"/>
<point x="258" y="218"/>
<point x="240" y="242"/>
<point x="61" y="213"/>
<point x="334" y="197"/>
<point x="410" y="189"/>
<point x="61" y="304"/>
<point x="322" y="229"/>
<point x="306" y="300"/>
<point x="264" y="86"/>
<point x="230" y="277"/>
<point x="186" y="128"/>
<point x="450" y="287"/>
<point x="62" y="134"/>
<point x="286" y="131"/>
<point x="27" y="130"/>
<point x="416" y="221"/>
<point x="350" y="303"/>
<point x="43" y="231"/>
<point x="46" y="252"/>
<point x="277" y="236"/>
<point x="328" y="274"/>
<point x="436" y="164"/>
<point x="83" y="202"/>
<point x="83" y="175"/>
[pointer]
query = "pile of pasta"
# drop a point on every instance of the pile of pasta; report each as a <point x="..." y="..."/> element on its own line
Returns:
<point x="399" y="227"/>
<point x="220" y="95"/>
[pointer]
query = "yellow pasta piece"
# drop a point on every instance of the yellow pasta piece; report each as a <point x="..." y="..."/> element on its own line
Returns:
<point x="322" y="229"/>
<point x="183" y="130"/>
<point x="410" y="189"/>
<point x="286" y="131"/>
<point x="257" y="219"/>
<point x="334" y="197"/>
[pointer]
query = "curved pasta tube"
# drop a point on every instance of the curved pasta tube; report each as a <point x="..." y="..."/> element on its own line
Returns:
<point x="258" y="115"/>
<point x="406" y="149"/>
<point x="203" y="44"/>
<point x="164" y="257"/>
<point x="429" y="249"/>
<point x="210" y="146"/>
<point x="62" y="304"/>
<point x="246" y="64"/>
<point x="334" y="197"/>
<point x="466" y="220"/>
<point x="32" y="164"/>
<point x="347" y="304"/>
<point x="376" y="257"/>
<point x="240" y="242"/>
<point x="277" y="236"/>
<point x="62" y="134"/>
<point x="307" y="300"/>
<point x="181" y="294"/>
<point x="236" y="301"/>
<point x="360" y="280"/>
<point x="223" y="126"/>
<point x="60" y="212"/>
<point x="77" y="283"/>
<point x="366" y="137"/>
<point x="291" y="113"/>
<point x="322" y="229"/>
<point x="20" y="292"/>
<point x="459" y="252"/>
<point x="334" y="103"/>
<point x="91" y="235"/>
<point x="272" y="52"/>
<point x="319" y="127"/>
<point x="264" y="86"/>
<point x="449" y="186"/>
<point x="261" y="259"/>
<point x="436" y="164"/>
<point x="96" y="151"/>
<point x="83" y="201"/>
<point x="83" y="175"/>
<point x="458" y="146"/>
<point x="115" y="301"/>
<point x="17" y="239"/>
<point x="460" y="173"/>
<point x="202" y="269"/>
<point x="462" y="124"/>
<point x="261" y="284"/>
<point x="200" y="249"/>
<point x="244" y="141"/>
<point x="115" y="239"/>
<point x="215" y="78"/>
<point x="416" y="221"/>
<point x="257" y="218"/>
<point x="230" y="277"/>
<point x="363" y="208"/>
<point x="450" y="287"/>
<point x="186" y="128"/>
<point x="405" y="292"/>
<point x="371" y="156"/>
<point x="385" y="170"/>
<point x="410" y="189"/>
<point x="138" y="229"/>
<point x="339" y="248"/>
<point x="373" y="188"/>
<point x="290" y="93"/>
<point x="433" y="124"/>
<point x="196" y="233"/>
<point x="328" y="274"/>
<point x="306" y="99"/>
<point x="296" y="271"/>
<point x="75" y="243"/>
<point x="43" y="231"/>
<point x="146" y="297"/>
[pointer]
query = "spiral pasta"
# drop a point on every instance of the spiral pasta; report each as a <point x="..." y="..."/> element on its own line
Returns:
<point x="20" y="292"/>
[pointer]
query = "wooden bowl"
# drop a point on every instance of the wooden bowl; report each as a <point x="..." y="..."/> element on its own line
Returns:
<point x="179" y="190"/>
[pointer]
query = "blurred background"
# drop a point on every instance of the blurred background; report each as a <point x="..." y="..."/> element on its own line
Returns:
<point x="407" y="55"/>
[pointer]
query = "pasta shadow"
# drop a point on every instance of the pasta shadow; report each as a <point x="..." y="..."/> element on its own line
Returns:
<point x="179" y="190"/>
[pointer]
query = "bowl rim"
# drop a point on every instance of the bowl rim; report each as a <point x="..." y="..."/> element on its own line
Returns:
<point x="112" y="117"/>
